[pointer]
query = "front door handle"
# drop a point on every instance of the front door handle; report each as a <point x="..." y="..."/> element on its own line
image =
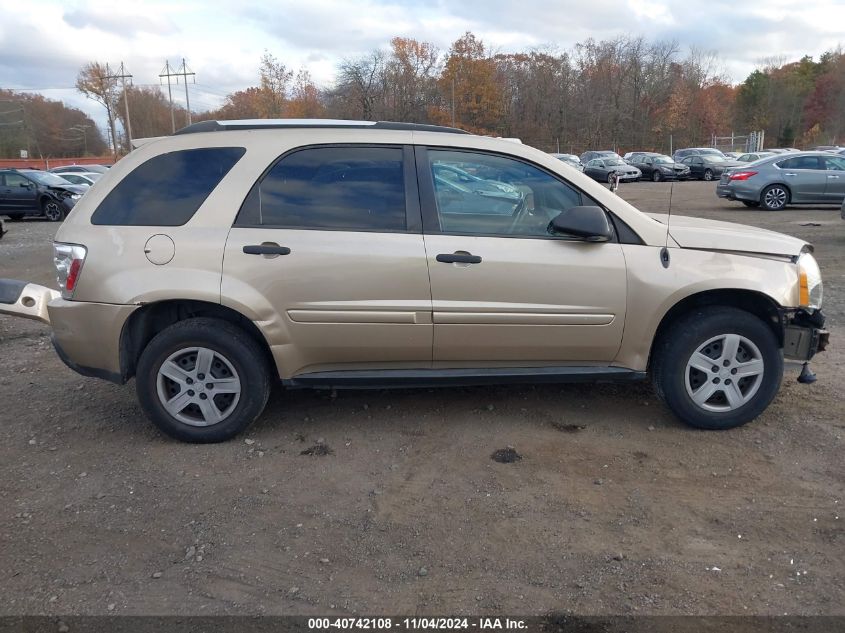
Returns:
<point x="459" y="258"/>
<point x="267" y="248"/>
<point x="833" y="176"/>
<point x="790" y="174"/>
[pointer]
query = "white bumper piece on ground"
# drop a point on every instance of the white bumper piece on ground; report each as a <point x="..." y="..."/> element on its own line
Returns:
<point x="19" y="298"/>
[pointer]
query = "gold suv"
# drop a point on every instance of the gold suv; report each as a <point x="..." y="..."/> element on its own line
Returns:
<point x="336" y="254"/>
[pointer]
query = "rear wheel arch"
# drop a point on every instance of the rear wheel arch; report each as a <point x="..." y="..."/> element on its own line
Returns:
<point x="143" y="324"/>
<point x="756" y="303"/>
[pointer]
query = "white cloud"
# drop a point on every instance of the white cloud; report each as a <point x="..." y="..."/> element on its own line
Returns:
<point x="223" y="41"/>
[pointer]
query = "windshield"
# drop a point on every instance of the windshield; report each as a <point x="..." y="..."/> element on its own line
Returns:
<point x="46" y="178"/>
<point x="712" y="152"/>
<point x="663" y="160"/>
<point x="92" y="175"/>
<point x="613" y="162"/>
<point x="715" y="159"/>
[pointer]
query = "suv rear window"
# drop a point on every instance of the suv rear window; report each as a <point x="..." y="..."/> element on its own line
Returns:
<point x="167" y="189"/>
<point x="351" y="188"/>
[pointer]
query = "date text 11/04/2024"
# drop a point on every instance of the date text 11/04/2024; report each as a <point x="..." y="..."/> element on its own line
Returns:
<point x="386" y="624"/>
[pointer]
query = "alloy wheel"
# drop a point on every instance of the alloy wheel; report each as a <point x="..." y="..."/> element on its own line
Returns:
<point x="724" y="373"/>
<point x="198" y="386"/>
<point x="52" y="211"/>
<point x="775" y="198"/>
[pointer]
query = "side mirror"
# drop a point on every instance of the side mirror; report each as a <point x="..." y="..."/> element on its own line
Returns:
<point x="26" y="185"/>
<point x="587" y="223"/>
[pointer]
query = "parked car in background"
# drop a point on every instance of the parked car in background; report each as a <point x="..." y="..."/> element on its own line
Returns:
<point x="80" y="169"/>
<point x="827" y="148"/>
<point x="781" y="150"/>
<point x="602" y="169"/>
<point x="85" y="179"/>
<point x="733" y="155"/>
<point x="38" y="193"/>
<point x="659" y="167"/>
<point x="794" y="178"/>
<point x="708" y="166"/>
<point x="629" y="157"/>
<point x="590" y="155"/>
<point x="570" y="159"/>
<point x="680" y="154"/>
<point x="234" y="254"/>
<point x="750" y="158"/>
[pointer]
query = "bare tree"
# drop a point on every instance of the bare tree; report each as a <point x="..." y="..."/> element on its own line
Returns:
<point x="97" y="83"/>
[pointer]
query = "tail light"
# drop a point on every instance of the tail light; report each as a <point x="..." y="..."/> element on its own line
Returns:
<point x="741" y="175"/>
<point x="68" y="259"/>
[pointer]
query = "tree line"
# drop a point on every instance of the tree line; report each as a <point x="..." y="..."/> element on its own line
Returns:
<point x="622" y="93"/>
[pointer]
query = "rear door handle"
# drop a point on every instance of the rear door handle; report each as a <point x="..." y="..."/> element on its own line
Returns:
<point x="790" y="174"/>
<point x="459" y="258"/>
<point x="267" y="248"/>
<point x="833" y="176"/>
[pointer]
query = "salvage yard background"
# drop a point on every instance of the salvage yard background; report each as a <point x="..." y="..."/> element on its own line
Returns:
<point x="615" y="507"/>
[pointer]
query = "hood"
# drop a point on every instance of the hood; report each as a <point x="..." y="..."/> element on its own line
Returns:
<point x="80" y="189"/>
<point x="726" y="236"/>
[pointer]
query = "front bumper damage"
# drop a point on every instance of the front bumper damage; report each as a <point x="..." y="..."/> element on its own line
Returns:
<point x="19" y="298"/>
<point x="803" y="334"/>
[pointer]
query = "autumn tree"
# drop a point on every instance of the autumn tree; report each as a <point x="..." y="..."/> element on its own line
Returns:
<point x="96" y="82"/>
<point x="470" y="94"/>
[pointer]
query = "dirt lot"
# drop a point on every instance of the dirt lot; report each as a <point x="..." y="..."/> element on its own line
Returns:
<point x="633" y="513"/>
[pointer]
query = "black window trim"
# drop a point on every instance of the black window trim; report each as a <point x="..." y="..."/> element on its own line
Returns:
<point x="429" y="203"/>
<point x="413" y="218"/>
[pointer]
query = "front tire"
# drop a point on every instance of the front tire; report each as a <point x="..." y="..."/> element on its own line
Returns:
<point x="52" y="210"/>
<point x="655" y="176"/>
<point x="202" y="380"/>
<point x="774" y="197"/>
<point x="718" y="367"/>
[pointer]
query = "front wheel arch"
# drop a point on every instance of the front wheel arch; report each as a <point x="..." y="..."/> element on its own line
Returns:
<point x="756" y="303"/>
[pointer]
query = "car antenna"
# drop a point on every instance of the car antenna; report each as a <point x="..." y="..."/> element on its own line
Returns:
<point x="664" y="252"/>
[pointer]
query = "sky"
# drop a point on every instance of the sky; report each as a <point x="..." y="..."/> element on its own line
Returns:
<point x="44" y="43"/>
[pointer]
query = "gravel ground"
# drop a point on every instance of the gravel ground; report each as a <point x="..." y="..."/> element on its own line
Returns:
<point x="613" y="508"/>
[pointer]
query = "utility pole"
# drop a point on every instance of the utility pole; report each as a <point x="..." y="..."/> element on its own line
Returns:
<point x="453" y="102"/>
<point x="123" y="76"/>
<point x="166" y="73"/>
<point x="185" y="72"/>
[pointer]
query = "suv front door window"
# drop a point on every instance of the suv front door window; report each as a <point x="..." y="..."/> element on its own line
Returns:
<point x="504" y="288"/>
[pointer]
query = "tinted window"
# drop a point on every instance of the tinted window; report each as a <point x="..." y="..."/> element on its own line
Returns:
<point x="167" y="189"/>
<point x="800" y="162"/>
<point x="353" y="188"/>
<point x="507" y="197"/>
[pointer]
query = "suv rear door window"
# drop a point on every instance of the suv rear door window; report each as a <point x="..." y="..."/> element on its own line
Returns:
<point x="167" y="189"/>
<point x="350" y="188"/>
<point x="801" y="162"/>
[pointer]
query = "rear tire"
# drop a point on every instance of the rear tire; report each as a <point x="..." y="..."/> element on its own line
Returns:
<point x="708" y="175"/>
<point x="729" y="345"/>
<point x="774" y="197"/>
<point x="187" y="403"/>
<point x="15" y="217"/>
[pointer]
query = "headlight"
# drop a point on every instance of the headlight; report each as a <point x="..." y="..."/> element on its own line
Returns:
<point x="810" y="287"/>
<point x="75" y="196"/>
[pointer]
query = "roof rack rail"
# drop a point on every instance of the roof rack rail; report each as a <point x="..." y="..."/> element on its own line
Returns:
<point x="264" y="124"/>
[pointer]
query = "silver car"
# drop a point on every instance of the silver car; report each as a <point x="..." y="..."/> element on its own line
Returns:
<point x="796" y="178"/>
